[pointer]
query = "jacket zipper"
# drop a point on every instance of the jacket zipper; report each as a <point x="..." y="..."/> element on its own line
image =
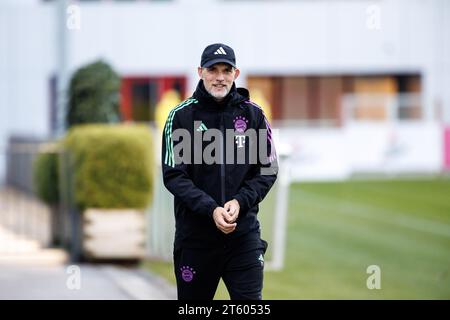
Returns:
<point x="222" y="165"/>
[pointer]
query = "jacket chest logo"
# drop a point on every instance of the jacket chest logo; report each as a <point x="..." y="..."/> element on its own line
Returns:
<point x="201" y="127"/>
<point x="240" y="125"/>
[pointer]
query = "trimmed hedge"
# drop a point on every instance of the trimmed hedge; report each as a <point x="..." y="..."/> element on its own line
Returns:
<point x="94" y="95"/>
<point x="46" y="177"/>
<point x="112" y="165"/>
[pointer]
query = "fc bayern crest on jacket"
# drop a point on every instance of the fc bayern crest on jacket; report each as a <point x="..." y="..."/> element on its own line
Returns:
<point x="240" y="124"/>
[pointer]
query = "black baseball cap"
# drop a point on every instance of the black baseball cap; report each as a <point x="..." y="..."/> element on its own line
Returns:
<point x="217" y="53"/>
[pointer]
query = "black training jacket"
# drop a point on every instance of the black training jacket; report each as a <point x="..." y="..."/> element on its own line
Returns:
<point x="200" y="187"/>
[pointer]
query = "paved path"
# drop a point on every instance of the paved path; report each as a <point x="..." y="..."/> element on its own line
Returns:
<point x="30" y="270"/>
<point x="95" y="282"/>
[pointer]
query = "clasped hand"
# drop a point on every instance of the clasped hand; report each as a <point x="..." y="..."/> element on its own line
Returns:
<point x="225" y="217"/>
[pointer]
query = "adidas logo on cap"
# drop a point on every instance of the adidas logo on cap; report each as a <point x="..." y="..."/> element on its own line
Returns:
<point x="220" y="51"/>
<point x="217" y="53"/>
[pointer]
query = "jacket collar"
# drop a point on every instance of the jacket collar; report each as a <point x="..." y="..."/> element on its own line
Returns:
<point x="234" y="97"/>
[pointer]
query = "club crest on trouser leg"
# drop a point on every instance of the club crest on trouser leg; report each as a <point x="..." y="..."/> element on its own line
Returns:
<point x="187" y="273"/>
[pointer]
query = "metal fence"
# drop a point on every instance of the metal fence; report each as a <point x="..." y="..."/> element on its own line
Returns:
<point x="28" y="224"/>
<point x="25" y="222"/>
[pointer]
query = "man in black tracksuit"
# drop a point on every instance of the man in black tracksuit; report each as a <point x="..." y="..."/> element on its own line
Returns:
<point x="218" y="185"/>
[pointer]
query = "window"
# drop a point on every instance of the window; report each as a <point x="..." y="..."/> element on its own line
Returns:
<point x="333" y="99"/>
<point x="140" y="95"/>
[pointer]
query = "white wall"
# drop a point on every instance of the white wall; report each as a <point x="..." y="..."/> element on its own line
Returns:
<point x="285" y="37"/>
<point x="269" y="37"/>
<point x="336" y="154"/>
<point x="27" y="58"/>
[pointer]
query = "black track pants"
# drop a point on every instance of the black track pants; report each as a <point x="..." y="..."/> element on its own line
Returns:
<point x="198" y="272"/>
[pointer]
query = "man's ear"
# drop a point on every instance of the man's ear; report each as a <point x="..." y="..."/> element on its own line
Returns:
<point x="236" y="73"/>
<point x="199" y="71"/>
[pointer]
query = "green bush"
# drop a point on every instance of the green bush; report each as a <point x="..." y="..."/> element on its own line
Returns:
<point x="112" y="165"/>
<point x="46" y="177"/>
<point x="94" y="95"/>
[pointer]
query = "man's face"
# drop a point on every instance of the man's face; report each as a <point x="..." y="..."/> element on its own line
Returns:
<point x="218" y="79"/>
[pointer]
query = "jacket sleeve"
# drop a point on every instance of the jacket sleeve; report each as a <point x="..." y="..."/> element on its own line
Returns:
<point x="263" y="174"/>
<point x="176" y="177"/>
